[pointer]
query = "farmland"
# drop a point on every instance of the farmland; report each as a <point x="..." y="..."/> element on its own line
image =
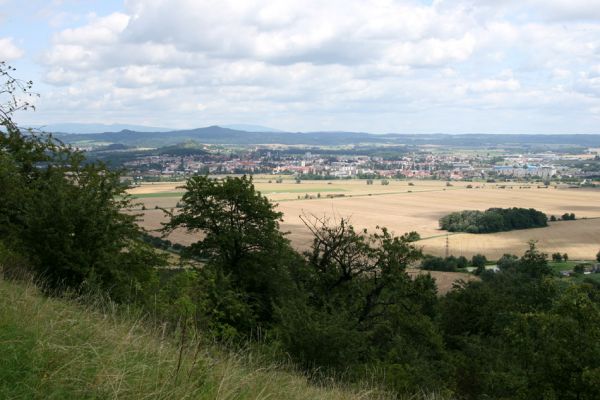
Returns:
<point x="403" y="206"/>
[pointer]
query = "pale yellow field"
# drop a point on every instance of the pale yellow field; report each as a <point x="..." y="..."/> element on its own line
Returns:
<point x="404" y="208"/>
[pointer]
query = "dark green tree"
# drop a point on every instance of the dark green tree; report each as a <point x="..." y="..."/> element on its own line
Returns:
<point x="558" y="349"/>
<point x="534" y="263"/>
<point x="508" y="262"/>
<point x="358" y="304"/>
<point x="64" y="215"/>
<point x="247" y="257"/>
<point x="478" y="260"/>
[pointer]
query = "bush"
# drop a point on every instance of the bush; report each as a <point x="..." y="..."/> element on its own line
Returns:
<point x="579" y="268"/>
<point x="449" y="264"/>
<point x="478" y="260"/>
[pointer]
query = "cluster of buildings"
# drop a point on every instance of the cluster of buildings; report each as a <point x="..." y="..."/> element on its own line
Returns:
<point x="414" y="166"/>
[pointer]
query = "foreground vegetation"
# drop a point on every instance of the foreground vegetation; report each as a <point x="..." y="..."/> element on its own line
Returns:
<point x="345" y="308"/>
<point x="56" y="348"/>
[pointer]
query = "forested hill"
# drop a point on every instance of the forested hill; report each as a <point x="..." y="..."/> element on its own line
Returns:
<point x="219" y="135"/>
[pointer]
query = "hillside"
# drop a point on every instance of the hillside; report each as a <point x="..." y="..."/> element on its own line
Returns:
<point x="56" y="349"/>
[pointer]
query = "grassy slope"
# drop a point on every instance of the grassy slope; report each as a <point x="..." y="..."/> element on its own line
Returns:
<point x="57" y="349"/>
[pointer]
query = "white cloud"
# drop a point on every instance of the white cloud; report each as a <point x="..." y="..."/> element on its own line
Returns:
<point x="8" y="50"/>
<point x="311" y="63"/>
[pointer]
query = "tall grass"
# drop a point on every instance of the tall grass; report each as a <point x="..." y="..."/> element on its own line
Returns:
<point x="54" y="348"/>
<point x="65" y="348"/>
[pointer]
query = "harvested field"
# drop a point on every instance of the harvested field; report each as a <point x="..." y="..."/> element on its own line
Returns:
<point x="579" y="239"/>
<point x="444" y="280"/>
<point x="402" y="208"/>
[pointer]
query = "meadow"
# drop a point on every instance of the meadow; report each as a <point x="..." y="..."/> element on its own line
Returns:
<point x="404" y="206"/>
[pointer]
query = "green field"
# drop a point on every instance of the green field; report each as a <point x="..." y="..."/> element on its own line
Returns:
<point x="563" y="265"/>
<point x="301" y="189"/>
<point x="155" y="195"/>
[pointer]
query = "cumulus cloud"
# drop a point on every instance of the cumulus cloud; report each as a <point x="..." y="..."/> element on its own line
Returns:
<point x="369" y="65"/>
<point x="8" y="50"/>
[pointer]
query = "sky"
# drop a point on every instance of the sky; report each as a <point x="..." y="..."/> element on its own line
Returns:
<point x="453" y="66"/>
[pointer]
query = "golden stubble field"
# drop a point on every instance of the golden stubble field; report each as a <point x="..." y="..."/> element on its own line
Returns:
<point x="401" y="208"/>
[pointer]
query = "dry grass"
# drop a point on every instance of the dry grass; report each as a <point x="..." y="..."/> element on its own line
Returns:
<point x="444" y="280"/>
<point x="58" y="349"/>
<point x="579" y="239"/>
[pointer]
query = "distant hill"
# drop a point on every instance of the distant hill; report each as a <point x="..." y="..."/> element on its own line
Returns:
<point x="220" y="135"/>
<point x="95" y="128"/>
<point x="250" y="128"/>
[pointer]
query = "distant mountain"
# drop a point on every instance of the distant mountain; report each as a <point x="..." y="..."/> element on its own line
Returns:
<point x="95" y="128"/>
<point x="250" y="128"/>
<point x="219" y="135"/>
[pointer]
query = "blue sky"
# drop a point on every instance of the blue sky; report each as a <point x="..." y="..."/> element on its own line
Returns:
<point x="456" y="66"/>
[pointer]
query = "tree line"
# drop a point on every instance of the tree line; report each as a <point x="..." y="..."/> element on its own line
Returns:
<point x="345" y="307"/>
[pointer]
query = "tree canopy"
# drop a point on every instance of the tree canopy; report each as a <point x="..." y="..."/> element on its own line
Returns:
<point x="493" y="220"/>
<point x="64" y="215"/>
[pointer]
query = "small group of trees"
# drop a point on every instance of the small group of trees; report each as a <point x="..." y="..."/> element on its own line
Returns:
<point x="558" y="257"/>
<point x="564" y="217"/>
<point x="452" y="263"/>
<point x="493" y="220"/>
<point x="568" y="217"/>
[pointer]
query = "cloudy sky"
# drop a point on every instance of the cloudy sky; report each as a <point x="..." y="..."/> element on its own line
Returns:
<point x="456" y="66"/>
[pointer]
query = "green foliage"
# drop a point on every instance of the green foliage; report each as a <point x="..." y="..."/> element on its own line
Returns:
<point x="63" y="216"/>
<point x="493" y="220"/>
<point x="519" y="334"/>
<point x="359" y="306"/>
<point x="568" y="217"/>
<point x="557" y="257"/>
<point x="247" y="256"/>
<point x="534" y="263"/>
<point x="508" y="262"/>
<point x="448" y="264"/>
<point x="579" y="268"/>
<point x="58" y="349"/>
<point x="558" y="348"/>
<point x="478" y="260"/>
